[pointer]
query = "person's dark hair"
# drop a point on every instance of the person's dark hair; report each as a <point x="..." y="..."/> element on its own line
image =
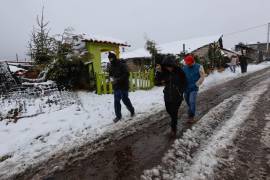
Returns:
<point x="112" y="55"/>
<point x="169" y="61"/>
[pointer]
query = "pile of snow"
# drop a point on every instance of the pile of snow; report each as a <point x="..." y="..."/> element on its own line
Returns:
<point x="36" y="138"/>
<point x="174" y="47"/>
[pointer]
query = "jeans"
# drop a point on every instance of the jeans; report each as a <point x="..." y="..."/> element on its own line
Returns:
<point x="233" y="67"/>
<point x="190" y="98"/>
<point x="172" y="109"/>
<point x="118" y="96"/>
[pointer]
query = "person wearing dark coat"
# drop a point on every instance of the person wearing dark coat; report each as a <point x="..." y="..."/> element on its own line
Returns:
<point x="175" y="82"/>
<point x="119" y="74"/>
<point x="243" y="63"/>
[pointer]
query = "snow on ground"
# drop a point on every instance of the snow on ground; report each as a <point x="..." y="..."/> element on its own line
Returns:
<point x="179" y="163"/>
<point x="36" y="138"/>
<point x="217" y="78"/>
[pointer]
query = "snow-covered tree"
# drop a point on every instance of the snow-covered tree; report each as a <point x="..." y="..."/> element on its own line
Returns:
<point x="41" y="45"/>
<point x="69" y="69"/>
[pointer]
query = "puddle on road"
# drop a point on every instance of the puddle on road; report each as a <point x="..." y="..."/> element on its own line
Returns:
<point x="125" y="159"/>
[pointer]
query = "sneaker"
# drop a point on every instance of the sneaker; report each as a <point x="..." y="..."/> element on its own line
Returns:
<point x="115" y="120"/>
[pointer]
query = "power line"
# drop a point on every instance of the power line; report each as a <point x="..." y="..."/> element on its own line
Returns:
<point x="244" y="30"/>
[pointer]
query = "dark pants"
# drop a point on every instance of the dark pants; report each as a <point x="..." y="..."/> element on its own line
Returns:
<point x="118" y="96"/>
<point x="172" y="109"/>
<point x="243" y="68"/>
<point x="233" y="68"/>
<point x="190" y="98"/>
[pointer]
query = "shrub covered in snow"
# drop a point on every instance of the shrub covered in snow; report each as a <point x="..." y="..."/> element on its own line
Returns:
<point x="70" y="74"/>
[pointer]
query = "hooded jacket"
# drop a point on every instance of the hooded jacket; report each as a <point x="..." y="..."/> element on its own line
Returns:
<point x="175" y="82"/>
<point x="119" y="72"/>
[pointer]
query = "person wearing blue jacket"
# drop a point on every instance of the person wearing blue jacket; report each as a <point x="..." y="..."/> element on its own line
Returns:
<point x="195" y="74"/>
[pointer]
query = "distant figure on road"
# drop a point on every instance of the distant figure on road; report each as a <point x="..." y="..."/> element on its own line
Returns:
<point x="195" y="76"/>
<point x="175" y="82"/>
<point x="243" y="63"/>
<point x="234" y="60"/>
<point x="119" y="74"/>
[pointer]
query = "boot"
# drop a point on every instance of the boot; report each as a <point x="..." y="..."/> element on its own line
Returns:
<point x="173" y="134"/>
<point x="191" y="120"/>
<point x="132" y="113"/>
<point x="115" y="120"/>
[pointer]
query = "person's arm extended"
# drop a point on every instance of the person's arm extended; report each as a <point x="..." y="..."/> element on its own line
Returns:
<point x="202" y="74"/>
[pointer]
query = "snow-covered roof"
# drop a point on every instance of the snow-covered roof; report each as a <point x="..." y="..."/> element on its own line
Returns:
<point x="173" y="47"/>
<point x="103" y="39"/>
<point x="138" y="53"/>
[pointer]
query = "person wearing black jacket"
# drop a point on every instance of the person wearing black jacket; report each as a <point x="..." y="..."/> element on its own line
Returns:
<point x="175" y="83"/>
<point x="243" y="63"/>
<point x="119" y="74"/>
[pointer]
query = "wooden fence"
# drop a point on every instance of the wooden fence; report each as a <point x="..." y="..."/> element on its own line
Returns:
<point x="137" y="81"/>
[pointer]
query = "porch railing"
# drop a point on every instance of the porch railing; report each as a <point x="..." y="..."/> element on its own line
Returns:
<point x="137" y="81"/>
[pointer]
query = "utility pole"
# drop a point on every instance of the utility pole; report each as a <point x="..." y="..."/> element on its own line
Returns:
<point x="17" y="58"/>
<point x="268" y="34"/>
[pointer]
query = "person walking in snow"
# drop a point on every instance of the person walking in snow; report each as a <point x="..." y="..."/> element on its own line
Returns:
<point x="195" y="74"/>
<point x="175" y="82"/>
<point x="119" y="74"/>
<point x="243" y="62"/>
<point x="234" y="60"/>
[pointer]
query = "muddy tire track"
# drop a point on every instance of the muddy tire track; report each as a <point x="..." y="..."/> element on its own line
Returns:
<point x="248" y="157"/>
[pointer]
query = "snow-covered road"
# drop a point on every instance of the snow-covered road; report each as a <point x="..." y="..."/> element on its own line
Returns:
<point x="197" y="152"/>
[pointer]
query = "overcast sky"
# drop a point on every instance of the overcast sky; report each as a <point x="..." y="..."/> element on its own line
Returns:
<point x="130" y="20"/>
